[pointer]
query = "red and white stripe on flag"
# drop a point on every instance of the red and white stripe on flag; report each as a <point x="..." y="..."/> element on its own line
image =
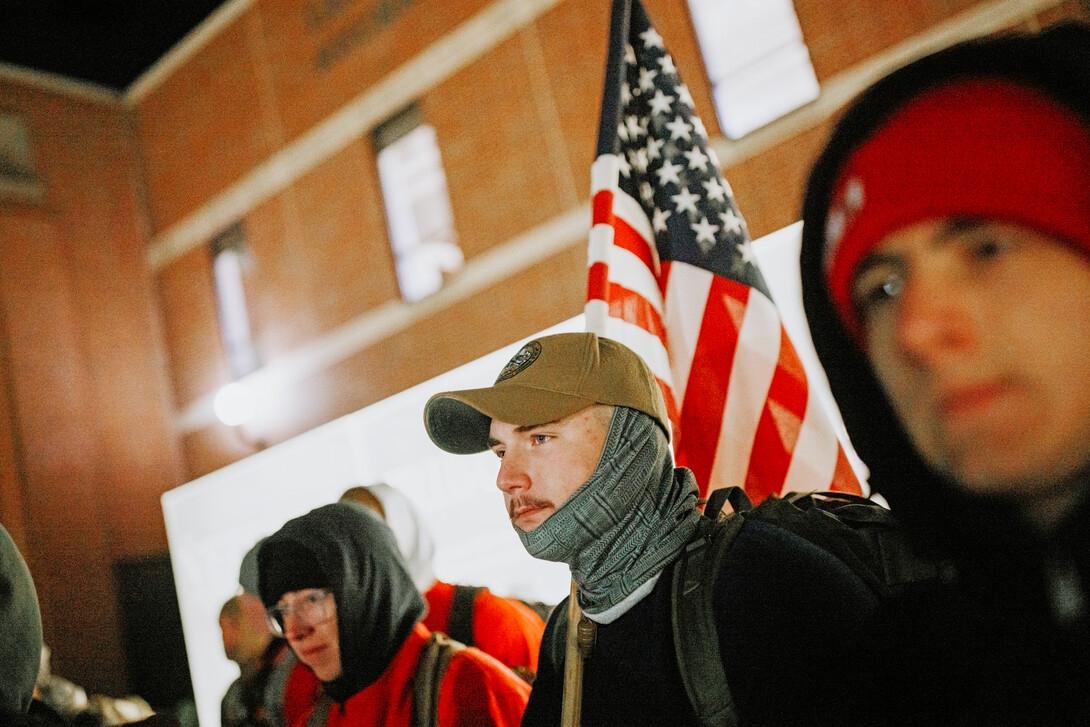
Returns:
<point x="736" y="390"/>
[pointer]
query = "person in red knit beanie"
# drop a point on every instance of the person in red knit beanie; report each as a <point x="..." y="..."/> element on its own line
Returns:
<point x="946" y="280"/>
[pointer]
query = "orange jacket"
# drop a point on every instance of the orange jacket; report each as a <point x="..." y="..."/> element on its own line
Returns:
<point x="502" y="627"/>
<point x="477" y="691"/>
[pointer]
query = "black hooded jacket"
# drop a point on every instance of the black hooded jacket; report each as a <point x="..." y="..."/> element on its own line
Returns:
<point x="990" y="646"/>
<point x="377" y="603"/>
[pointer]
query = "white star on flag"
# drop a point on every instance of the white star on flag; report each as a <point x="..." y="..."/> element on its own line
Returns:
<point x="683" y="96"/>
<point x="705" y="233"/>
<point x="661" y="103"/>
<point x="745" y="249"/>
<point x="679" y="129"/>
<point x="647" y="79"/>
<point x="699" y="126"/>
<point x="715" y="190"/>
<point x="624" y="167"/>
<point x="659" y="223"/>
<point x="731" y="221"/>
<point x="685" y="201"/>
<point x="651" y="39"/>
<point x="697" y="159"/>
<point x="669" y="173"/>
<point x="647" y="192"/>
<point x="654" y="148"/>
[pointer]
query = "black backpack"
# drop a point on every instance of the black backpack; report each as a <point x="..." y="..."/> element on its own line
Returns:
<point x="460" y="620"/>
<point x="431" y="665"/>
<point x="860" y="532"/>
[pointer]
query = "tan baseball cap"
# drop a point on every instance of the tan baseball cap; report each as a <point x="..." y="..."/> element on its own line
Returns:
<point x="548" y="379"/>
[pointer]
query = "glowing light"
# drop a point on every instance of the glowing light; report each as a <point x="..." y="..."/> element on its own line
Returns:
<point x="235" y="404"/>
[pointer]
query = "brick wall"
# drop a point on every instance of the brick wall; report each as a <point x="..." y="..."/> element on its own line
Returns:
<point x="111" y="340"/>
<point x="516" y="124"/>
<point x="87" y="443"/>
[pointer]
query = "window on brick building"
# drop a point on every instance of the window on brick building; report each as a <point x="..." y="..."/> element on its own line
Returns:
<point x="18" y="175"/>
<point x="418" y="210"/>
<point x="229" y="262"/>
<point x="756" y="58"/>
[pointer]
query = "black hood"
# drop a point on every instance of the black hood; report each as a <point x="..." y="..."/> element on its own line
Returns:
<point x="1056" y="61"/>
<point x="20" y="629"/>
<point x="377" y="603"/>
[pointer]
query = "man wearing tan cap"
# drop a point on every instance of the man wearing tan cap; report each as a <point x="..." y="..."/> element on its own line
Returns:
<point x="588" y="479"/>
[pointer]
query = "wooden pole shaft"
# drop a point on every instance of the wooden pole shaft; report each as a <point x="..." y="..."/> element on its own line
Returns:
<point x="573" y="665"/>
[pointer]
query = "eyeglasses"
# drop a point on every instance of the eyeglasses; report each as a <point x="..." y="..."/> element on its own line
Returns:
<point x="311" y="607"/>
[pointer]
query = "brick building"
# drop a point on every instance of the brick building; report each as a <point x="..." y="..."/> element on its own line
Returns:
<point x="259" y="135"/>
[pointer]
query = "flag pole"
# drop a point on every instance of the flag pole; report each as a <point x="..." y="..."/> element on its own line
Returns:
<point x="573" y="665"/>
<point x="575" y="652"/>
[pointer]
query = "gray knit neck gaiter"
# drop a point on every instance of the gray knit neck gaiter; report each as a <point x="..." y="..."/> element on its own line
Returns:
<point x="627" y="522"/>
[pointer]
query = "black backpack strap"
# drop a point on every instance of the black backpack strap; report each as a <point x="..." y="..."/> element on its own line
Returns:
<point x="460" y="620"/>
<point x="277" y="684"/>
<point x="736" y="496"/>
<point x="696" y="636"/>
<point x="431" y="665"/>
<point x="556" y="627"/>
<point x="320" y="714"/>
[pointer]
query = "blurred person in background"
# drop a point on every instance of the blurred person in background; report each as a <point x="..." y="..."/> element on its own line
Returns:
<point x="21" y="626"/>
<point x="946" y="279"/>
<point x="248" y="641"/>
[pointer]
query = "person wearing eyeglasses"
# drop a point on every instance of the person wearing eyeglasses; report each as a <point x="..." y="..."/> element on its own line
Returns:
<point x="506" y="628"/>
<point x="336" y="587"/>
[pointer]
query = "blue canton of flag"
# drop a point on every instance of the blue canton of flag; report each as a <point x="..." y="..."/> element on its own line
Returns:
<point x="667" y="164"/>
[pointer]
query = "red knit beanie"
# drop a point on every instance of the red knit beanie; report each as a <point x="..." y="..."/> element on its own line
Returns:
<point x="985" y="148"/>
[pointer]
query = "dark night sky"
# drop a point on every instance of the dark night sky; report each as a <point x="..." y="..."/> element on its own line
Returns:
<point x="109" y="42"/>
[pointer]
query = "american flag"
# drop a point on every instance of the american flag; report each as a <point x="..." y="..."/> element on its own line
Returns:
<point x="672" y="275"/>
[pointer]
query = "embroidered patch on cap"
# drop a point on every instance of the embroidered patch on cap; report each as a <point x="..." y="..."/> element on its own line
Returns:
<point x="526" y="356"/>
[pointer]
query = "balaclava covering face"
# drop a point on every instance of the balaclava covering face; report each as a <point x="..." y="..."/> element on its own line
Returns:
<point x="377" y="603"/>
<point x="627" y="522"/>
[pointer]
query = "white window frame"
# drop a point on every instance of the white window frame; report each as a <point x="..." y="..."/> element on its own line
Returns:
<point x="757" y="61"/>
<point x="230" y="260"/>
<point x="419" y="215"/>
